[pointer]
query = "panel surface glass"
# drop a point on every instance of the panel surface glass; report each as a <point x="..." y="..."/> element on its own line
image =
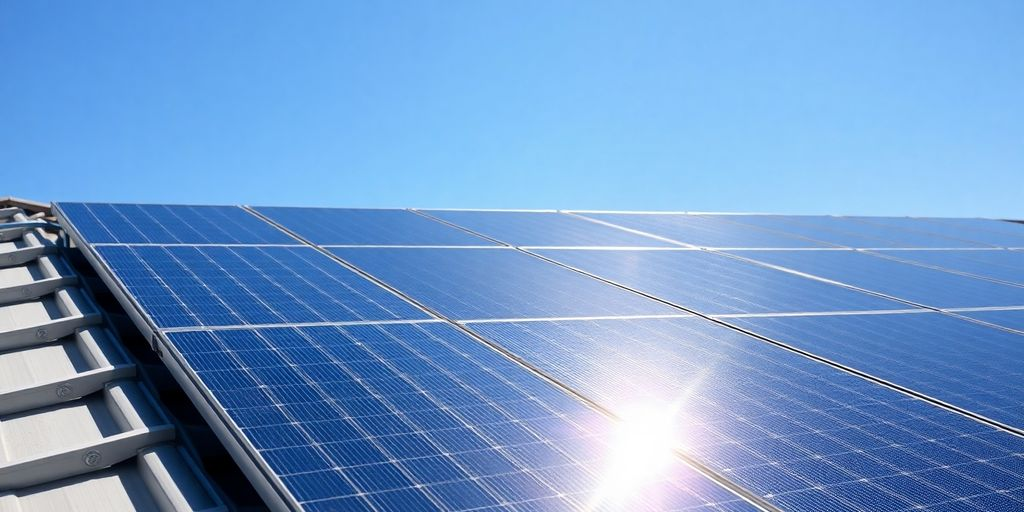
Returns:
<point x="1013" y="319"/>
<point x="806" y="227"/>
<point x="999" y="264"/>
<point x="704" y="230"/>
<point x="545" y="229"/>
<point x="968" y="365"/>
<point x="987" y="231"/>
<point x="422" y="417"/>
<point x="183" y="286"/>
<point x="170" y="224"/>
<point x="473" y="284"/>
<point x="849" y="231"/>
<point x="921" y="285"/>
<point x="715" y="284"/>
<point x="351" y="226"/>
<point x="803" y="434"/>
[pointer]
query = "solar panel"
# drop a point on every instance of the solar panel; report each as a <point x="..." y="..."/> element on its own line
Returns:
<point x="971" y="366"/>
<point x="182" y="286"/>
<point x="1011" y="319"/>
<point x="351" y="226"/>
<point x="800" y="433"/>
<point x="854" y="232"/>
<point x="1003" y="265"/>
<point x="917" y="284"/>
<point x="515" y="383"/>
<point x="545" y="229"/>
<point x="985" y="231"/>
<point x="474" y="284"/>
<point x="414" y="417"/>
<point x="704" y="230"/>
<point x="716" y="284"/>
<point x="170" y="224"/>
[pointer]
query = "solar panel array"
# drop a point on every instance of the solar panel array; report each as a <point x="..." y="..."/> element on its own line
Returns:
<point x="492" y="360"/>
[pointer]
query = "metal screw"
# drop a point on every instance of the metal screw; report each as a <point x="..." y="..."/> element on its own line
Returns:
<point x="92" y="458"/>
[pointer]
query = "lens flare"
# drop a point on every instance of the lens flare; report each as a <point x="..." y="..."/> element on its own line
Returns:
<point x="641" y="451"/>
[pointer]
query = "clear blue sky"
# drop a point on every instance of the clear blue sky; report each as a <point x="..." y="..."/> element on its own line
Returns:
<point x="869" y="107"/>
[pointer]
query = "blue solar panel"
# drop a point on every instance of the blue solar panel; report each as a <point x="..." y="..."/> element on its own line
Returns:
<point x="802" y="434"/>
<point x="349" y="226"/>
<point x="921" y="285"/>
<point x="547" y="229"/>
<point x="984" y="231"/>
<point x="999" y="264"/>
<point x="471" y="284"/>
<point x="181" y="286"/>
<point x="704" y="230"/>
<point x="803" y="226"/>
<point x="170" y="224"/>
<point x="962" y="363"/>
<point x="856" y="232"/>
<point x="715" y="284"/>
<point x="1012" y="319"/>
<point x="418" y="417"/>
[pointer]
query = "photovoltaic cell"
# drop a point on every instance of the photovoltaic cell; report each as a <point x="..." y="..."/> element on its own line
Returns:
<point x="181" y="286"/>
<point x="833" y="234"/>
<point x="548" y="229"/>
<point x="1013" y="319"/>
<point x="715" y="284"/>
<point x="350" y="226"/>
<point x="170" y="224"/>
<point x="999" y="264"/>
<point x="962" y="363"/>
<point x="473" y="284"/>
<point x="985" y="231"/>
<point x="422" y="417"/>
<point x="704" y="230"/>
<point x="851" y="232"/>
<point x="800" y="433"/>
<point x="921" y="285"/>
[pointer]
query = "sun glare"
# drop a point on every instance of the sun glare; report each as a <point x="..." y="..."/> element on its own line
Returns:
<point x="641" y="451"/>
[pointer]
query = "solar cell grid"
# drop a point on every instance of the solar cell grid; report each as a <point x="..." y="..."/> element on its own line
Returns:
<point x="1004" y="265"/>
<point x="469" y="284"/>
<point x="921" y="285"/>
<point x="983" y="231"/>
<point x="715" y="284"/>
<point x="170" y="224"/>
<point x="1011" y="319"/>
<point x="182" y="286"/>
<point x="420" y="416"/>
<point x="798" y="432"/>
<point x="844" y="228"/>
<point x="704" y="230"/>
<point x="353" y="226"/>
<point x="966" y="364"/>
<point x="548" y="229"/>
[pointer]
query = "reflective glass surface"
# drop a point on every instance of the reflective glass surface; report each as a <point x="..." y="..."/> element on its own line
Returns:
<point x="472" y="284"/>
<point x="803" y="434"/>
<point x="423" y="417"/>
<point x="999" y="264"/>
<point x="170" y="224"/>
<point x="716" y="284"/>
<point x="351" y="226"/>
<point x="545" y="229"/>
<point x="921" y="285"/>
<point x="705" y="230"/>
<point x="965" y="364"/>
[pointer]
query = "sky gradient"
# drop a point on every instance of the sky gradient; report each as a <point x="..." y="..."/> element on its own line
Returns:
<point x="869" y="107"/>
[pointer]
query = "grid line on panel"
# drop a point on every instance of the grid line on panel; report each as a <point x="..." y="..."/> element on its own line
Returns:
<point x="949" y="270"/>
<point x="960" y="362"/>
<point x="820" y="433"/>
<point x="719" y="479"/>
<point x="811" y="355"/>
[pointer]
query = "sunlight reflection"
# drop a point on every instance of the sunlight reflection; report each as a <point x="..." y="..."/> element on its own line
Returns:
<point x="642" y="450"/>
